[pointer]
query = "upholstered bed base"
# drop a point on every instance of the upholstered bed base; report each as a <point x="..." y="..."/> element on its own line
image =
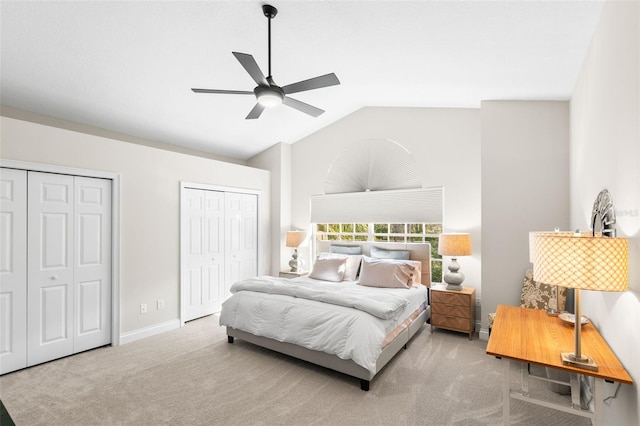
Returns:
<point x="332" y="361"/>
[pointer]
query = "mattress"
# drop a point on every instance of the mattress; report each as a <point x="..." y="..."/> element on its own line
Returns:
<point x="343" y="319"/>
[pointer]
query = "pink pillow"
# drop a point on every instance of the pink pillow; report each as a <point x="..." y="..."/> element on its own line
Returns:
<point x="329" y="269"/>
<point x="351" y="267"/>
<point x="386" y="273"/>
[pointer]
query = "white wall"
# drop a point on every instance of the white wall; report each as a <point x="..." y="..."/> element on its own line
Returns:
<point x="444" y="142"/>
<point x="605" y="153"/>
<point x="150" y="205"/>
<point x="525" y="187"/>
<point x="277" y="159"/>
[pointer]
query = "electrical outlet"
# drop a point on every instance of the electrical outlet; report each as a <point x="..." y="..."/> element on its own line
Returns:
<point x="143" y="308"/>
<point x="160" y="304"/>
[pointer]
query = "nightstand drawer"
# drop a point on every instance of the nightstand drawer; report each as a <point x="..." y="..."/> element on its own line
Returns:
<point x="451" y="310"/>
<point x="450" y="298"/>
<point x="454" y="323"/>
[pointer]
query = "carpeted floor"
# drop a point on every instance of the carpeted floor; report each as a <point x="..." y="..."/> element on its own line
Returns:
<point x="192" y="376"/>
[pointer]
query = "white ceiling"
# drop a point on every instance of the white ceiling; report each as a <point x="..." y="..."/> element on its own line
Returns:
<point x="129" y="66"/>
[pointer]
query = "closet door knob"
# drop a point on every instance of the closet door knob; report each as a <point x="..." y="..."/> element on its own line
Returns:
<point x="54" y="277"/>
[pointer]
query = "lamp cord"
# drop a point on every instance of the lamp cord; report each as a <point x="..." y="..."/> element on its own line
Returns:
<point x="608" y="399"/>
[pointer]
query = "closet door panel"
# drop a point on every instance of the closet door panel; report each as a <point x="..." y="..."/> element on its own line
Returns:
<point x="92" y="263"/>
<point x="249" y="246"/>
<point x="50" y="263"/>
<point x="233" y="240"/>
<point x="204" y="257"/>
<point x="13" y="270"/>
<point x="214" y="249"/>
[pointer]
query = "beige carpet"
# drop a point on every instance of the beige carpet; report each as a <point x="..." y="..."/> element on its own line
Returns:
<point x="192" y="376"/>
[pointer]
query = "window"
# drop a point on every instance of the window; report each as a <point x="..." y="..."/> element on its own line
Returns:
<point x="388" y="232"/>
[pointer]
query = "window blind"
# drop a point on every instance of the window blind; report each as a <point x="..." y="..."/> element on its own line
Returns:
<point x="398" y="206"/>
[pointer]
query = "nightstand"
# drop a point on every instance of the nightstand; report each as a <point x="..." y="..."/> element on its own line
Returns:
<point x="289" y="274"/>
<point x="452" y="309"/>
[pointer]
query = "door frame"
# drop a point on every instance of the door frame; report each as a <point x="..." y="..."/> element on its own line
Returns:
<point x="183" y="240"/>
<point x="115" y="225"/>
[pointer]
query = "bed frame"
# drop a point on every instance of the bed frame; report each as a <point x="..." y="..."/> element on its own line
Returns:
<point x="419" y="251"/>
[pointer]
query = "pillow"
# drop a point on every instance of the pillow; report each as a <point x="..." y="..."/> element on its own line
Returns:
<point x="328" y="269"/>
<point x="352" y="264"/>
<point x="345" y="249"/>
<point x="537" y="295"/>
<point x="389" y="254"/>
<point x="383" y="273"/>
<point x="416" y="264"/>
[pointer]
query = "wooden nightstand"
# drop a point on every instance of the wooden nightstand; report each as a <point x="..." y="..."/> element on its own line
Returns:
<point x="288" y="274"/>
<point x="453" y="310"/>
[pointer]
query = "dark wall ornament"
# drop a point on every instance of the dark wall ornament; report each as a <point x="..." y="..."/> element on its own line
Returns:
<point x="603" y="215"/>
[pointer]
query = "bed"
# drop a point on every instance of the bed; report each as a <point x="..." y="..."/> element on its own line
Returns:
<point x="353" y="323"/>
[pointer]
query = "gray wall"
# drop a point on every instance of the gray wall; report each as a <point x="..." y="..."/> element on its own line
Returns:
<point x="150" y="207"/>
<point x="525" y="187"/>
<point x="605" y="153"/>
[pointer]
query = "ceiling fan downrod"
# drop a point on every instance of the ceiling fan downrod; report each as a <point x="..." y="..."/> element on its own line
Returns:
<point x="270" y="12"/>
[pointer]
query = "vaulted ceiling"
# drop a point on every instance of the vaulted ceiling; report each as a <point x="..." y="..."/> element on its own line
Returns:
<point x="128" y="66"/>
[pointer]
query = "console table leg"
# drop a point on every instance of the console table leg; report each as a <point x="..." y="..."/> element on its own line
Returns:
<point x="575" y="391"/>
<point x="598" y="409"/>
<point x="524" y="373"/>
<point x="506" y="390"/>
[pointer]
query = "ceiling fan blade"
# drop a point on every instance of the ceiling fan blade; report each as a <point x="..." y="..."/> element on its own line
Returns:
<point x="252" y="68"/>
<point x="301" y="106"/>
<point x="312" y="83"/>
<point x="225" y="92"/>
<point x="255" y="112"/>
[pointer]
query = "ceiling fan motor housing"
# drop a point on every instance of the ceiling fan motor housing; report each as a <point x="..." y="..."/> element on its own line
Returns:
<point x="269" y="96"/>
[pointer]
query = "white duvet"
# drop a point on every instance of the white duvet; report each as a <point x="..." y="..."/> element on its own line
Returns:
<point x="343" y="319"/>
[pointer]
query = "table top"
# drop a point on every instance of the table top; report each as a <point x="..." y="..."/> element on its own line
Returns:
<point x="530" y="335"/>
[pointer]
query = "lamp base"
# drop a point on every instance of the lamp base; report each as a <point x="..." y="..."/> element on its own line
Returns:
<point x="585" y="362"/>
<point x="295" y="263"/>
<point x="455" y="287"/>
<point x="454" y="277"/>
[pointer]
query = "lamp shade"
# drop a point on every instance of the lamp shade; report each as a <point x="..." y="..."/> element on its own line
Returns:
<point x="580" y="261"/>
<point x="295" y="238"/>
<point x="454" y="244"/>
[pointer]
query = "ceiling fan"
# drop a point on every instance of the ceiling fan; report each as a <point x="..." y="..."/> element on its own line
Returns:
<point x="269" y="94"/>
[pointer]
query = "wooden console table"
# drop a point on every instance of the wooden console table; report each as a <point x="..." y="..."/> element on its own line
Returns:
<point x="531" y="336"/>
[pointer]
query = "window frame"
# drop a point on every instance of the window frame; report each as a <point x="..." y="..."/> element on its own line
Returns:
<point x="348" y="232"/>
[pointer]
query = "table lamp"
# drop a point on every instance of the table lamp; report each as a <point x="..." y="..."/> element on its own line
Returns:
<point x="294" y="239"/>
<point x="582" y="262"/>
<point x="454" y="245"/>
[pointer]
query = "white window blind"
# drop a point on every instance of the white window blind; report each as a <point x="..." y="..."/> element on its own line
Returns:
<point x="399" y="206"/>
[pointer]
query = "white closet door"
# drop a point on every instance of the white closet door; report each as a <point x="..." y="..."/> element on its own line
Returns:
<point x="203" y="227"/>
<point x="249" y="245"/>
<point x="92" y="260"/>
<point x="233" y="240"/>
<point x="50" y="259"/>
<point x="241" y="240"/>
<point x="13" y="270"/>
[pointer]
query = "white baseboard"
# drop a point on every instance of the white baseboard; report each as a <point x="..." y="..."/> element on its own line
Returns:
<point x="132" y="336"/>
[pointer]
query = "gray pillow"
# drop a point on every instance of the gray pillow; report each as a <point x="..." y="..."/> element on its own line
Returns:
<point x="345" y="249"/>
<point x="389" y="254"/>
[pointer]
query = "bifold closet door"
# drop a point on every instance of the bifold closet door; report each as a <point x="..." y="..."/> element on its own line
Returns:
<point x="204" y="252"/>
<point x="50" y="260"/>
<point x="241" y="238"/>
<point x="69" y="265"/>
<point x="92" y="263"/>
<point x="13" y="270"/>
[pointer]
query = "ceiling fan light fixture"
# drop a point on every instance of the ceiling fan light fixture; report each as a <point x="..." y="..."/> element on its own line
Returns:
<point x="268" y="96"/>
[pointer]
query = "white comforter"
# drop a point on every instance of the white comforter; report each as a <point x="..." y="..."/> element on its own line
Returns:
<point x="344" y="319"/>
